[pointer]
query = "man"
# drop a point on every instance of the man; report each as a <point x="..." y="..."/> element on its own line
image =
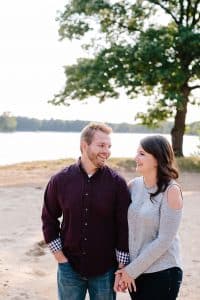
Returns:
<point x="91" y="240"/>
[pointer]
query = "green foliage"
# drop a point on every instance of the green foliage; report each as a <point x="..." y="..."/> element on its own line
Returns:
<point x="7" y="122"/>
<point x="193" y="128"/>
<point x="191" y="163"/>
<point x="129" y="49"/>
<point x="132" y="54"/>
<point x="32" y="124"/>
<point x="28" y="124"/>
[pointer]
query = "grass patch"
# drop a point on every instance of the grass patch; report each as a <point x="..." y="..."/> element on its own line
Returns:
<point x="189" y="164"/>
<point x="127" y="164"/>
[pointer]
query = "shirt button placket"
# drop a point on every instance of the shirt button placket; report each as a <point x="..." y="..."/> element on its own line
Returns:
<point x="85" y="222"/>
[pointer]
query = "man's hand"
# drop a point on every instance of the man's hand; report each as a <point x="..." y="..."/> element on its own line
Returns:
<point x="60" y="257"/>
<point x="125" y="281"/>
<point x="119" y="286"/>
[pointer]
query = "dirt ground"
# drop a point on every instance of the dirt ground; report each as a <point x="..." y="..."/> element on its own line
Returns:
<point x="28" y="270"/>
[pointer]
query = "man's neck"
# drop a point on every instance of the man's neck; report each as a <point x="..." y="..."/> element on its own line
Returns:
<point x="89" y="168"/>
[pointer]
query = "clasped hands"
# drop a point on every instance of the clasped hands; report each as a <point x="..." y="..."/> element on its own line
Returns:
<point x="123" y="281"/>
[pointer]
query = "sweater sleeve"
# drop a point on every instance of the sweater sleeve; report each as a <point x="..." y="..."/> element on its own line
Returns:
<point x="169" y="223"/>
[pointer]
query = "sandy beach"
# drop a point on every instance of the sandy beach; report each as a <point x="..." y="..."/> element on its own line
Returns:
<point x="28" y="270"/>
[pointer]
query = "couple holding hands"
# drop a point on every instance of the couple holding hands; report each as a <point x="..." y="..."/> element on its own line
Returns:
<point x="110" y="237"/>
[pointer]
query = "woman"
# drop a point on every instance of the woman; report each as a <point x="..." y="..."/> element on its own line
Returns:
<point x="154" y="216"/>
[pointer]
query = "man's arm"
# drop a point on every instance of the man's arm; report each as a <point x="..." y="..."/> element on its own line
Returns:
<point x="123" y="258"/>
<point x="51" y="212"/>
<point x="56" y="249"/>
<point x="122" y="204"/>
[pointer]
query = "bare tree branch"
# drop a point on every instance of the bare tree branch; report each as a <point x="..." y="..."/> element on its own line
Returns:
<point x="194" y="87"/>
<point x="182" y="11"/>
<point x="188" y="11"/>
<point x="196" y="20"/>
<point x="167" y="10"/>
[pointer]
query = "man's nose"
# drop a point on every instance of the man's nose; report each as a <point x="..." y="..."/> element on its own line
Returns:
<point x="106" y="150"/>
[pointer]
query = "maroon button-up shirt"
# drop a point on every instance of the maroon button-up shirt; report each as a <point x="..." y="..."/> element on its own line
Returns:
<point x="93" y="212"/>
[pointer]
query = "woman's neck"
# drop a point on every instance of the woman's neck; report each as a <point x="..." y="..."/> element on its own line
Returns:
<point x="150" y="180"/>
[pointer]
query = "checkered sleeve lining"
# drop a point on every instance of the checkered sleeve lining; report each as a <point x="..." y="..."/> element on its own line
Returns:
<point x="55" y="245"/>
<point x="122" y="257"/>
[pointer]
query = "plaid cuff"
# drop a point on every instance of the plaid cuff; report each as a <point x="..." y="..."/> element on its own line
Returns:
<point x="55" y="245"/>
<point x="122" y="257"/>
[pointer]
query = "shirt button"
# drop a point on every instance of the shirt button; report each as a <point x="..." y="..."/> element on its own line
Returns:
<point x="85" y="239"/>
<point x="85" y="223"/>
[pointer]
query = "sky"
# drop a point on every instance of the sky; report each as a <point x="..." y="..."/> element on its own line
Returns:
<point x="31" y="68"/>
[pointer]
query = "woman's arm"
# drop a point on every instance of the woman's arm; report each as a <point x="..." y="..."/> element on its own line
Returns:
<point x="170" y="217"/>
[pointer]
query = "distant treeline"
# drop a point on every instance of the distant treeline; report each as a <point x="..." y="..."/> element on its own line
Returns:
<point x="9" y="124"/>
<point x="26" y="124"/>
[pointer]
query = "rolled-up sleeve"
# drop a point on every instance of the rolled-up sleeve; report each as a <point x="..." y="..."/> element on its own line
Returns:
<point x="123" y="257"/>
<point x="55" y="245"/>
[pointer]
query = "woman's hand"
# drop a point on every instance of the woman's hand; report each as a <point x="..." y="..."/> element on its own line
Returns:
<point x="119" y="286"/>
<point x="124" y="280"/>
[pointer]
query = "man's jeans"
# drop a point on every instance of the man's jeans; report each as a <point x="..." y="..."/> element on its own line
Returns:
<point x="73" y="286"/>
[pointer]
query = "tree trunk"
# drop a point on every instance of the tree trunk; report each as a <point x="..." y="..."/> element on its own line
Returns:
<point x="178" y="129"/>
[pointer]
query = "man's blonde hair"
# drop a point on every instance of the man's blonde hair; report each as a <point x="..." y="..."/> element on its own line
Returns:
<point x="89" y="130"/>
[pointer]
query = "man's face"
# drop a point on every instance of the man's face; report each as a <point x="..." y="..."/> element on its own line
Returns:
<point x="99" y="150"/>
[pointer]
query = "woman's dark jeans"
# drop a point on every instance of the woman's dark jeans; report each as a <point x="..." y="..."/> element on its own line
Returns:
<point x="162" y="285"/>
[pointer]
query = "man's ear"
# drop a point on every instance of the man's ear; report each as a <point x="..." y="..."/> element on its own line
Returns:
<point x="83" y="146"/>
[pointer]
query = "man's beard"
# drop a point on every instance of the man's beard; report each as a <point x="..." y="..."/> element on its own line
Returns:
<point x="97" y="161"/>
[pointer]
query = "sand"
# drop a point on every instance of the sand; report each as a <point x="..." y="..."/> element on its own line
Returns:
<point x="28" y="269"/>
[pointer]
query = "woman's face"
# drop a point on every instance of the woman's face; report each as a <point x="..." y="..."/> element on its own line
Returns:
<point x="145" y="162"/>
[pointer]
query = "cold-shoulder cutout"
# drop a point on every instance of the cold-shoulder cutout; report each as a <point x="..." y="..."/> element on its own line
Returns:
<point x="174" y="197"/>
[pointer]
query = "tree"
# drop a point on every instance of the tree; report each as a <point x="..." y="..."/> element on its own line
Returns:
<point x="130" y="48"/>
<point x="8" y="123"/>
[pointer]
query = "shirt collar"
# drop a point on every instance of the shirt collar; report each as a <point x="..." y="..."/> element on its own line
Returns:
<point x="80" y="165"/>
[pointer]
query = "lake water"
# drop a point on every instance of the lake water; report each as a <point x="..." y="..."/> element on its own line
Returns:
<point x="31" y="146"/>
